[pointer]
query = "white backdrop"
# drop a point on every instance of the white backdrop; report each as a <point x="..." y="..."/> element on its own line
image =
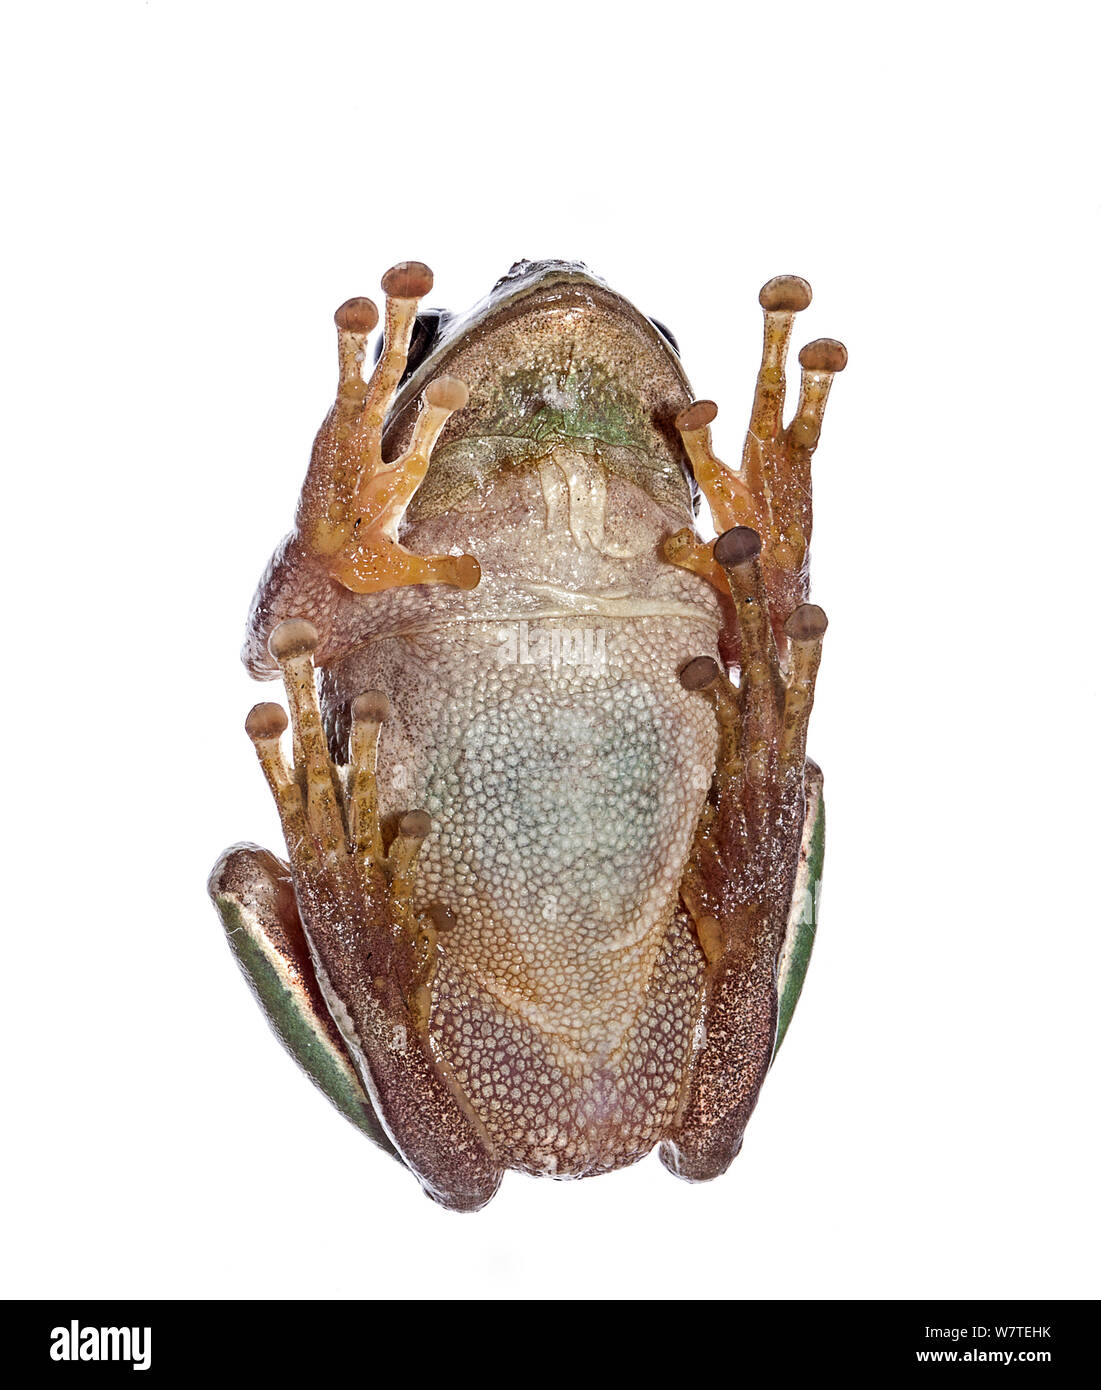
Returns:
<point x="192" y="189"/>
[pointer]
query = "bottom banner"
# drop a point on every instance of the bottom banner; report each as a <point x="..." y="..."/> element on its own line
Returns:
<point x="79" y="1339"/>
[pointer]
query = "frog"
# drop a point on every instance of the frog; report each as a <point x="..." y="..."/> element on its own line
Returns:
<point x="553" y="840"/>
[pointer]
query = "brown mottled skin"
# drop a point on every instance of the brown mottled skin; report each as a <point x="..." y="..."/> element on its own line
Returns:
<point x="575" y="1018"/>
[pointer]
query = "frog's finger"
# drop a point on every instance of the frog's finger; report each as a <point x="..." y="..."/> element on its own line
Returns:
<point x="781" y="299"/>
<point x="684" y="548"/>
<point x="731" y="501"/>
<point x="404" y="284"/>
<point x="440" y="400"/>
<point x="820" y="360"/>
<point x="325" y="516"/>
<point x="381" y="563"/>
<point x="386" y="493"/>
<point x="355" y="321"/>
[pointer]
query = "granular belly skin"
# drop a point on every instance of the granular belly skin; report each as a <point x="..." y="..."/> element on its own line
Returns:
<point x="565" y="776"/>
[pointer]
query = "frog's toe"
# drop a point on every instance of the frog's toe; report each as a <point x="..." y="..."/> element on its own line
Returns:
<point x="254" y="894"/>
<point x="771" y="707"/>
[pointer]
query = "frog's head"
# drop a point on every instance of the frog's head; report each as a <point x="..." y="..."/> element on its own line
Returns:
<point x="550" y="356"/>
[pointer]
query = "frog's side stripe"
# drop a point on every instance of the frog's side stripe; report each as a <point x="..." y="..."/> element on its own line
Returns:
<point x="278" y="987"/>
<point x="799" y="939"/>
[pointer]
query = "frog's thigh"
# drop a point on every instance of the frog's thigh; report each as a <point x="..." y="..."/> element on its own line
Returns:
<point x="791" y="968"/>
<point x="254" y="895"/>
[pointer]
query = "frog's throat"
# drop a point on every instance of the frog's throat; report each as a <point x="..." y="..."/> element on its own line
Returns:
<point x="474" y="462"/>
<point x="535" y="410"/>
<point x="554" y="358"/>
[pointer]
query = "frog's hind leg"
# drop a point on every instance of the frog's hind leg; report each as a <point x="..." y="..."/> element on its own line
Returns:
<point x="352" y="502"/>
<point x="740" y="880"/>
<point x="375" y="958"/>
<point x="254" y="894"/>
<point x="771" y="492"/>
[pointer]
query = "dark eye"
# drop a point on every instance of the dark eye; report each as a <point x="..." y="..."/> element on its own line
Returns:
<point x="665" y="333"/>
<point x="426" y="333"/>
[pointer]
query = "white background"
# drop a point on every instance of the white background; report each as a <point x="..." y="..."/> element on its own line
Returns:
<point x="191" y="190"/>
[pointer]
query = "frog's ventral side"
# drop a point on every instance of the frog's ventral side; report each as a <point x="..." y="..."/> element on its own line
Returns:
<point x="553" y="840"/>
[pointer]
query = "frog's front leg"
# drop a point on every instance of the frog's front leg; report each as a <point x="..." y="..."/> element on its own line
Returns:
<point x="771" y="492"/>
<point x="374" y="958"/>
<point x="739" y="881"/>
<point x="353" y="501"/>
